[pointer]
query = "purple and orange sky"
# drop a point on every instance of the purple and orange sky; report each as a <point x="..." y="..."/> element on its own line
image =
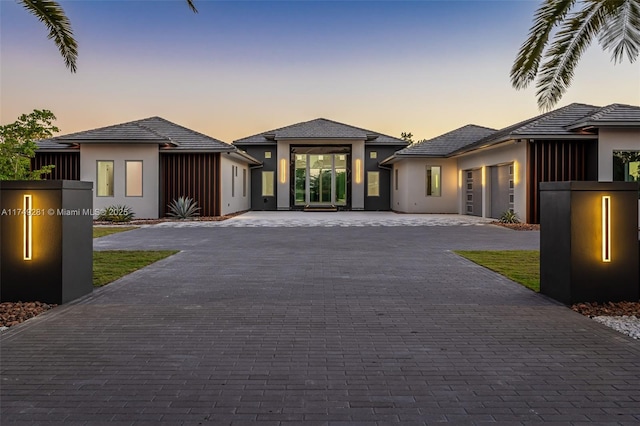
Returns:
<point x="241" y="67"/>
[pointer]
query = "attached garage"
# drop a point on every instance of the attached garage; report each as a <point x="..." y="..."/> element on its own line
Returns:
<point x="501" y="189"/>
<point x="473" y="196"/>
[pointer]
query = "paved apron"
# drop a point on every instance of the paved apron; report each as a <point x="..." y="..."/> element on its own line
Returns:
<point x="325" y="325"/>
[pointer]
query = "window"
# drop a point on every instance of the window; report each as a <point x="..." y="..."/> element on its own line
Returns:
<point x="396" y="178"/>
<point x="244" y="182"/>
<point x="133" y="179"/>
<point x="433" y="181"/>
<point x="104" y="179"/>
<point x="267" y="184"/>
<point x="373" y="155"/>
<point x="233" y="181"/>
<point x="626" y="166"/>
<point x="267" y="154"/>
<point x="373" y="184"/>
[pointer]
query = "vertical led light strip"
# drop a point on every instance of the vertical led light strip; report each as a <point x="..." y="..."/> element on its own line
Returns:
<point x="27" y="227"/>
<point x="283" y="171"/>
<point x="606" y="228"/>
<point x="358" y="170"/>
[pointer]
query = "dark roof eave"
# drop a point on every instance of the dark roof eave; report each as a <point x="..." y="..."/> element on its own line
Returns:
<point x="597" y="124"/>
<point x="118" y="141"/>
<point x="515" y="137"/>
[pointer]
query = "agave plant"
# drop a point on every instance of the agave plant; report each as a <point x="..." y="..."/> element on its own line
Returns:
<point x="509" y="216"/>
<point x="116" y="213"/>
<point x="184" y="208"/>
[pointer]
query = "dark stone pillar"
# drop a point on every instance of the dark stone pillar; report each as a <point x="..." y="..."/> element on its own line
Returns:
<point x="60" y="267"/>
<point x="573" y="261"/>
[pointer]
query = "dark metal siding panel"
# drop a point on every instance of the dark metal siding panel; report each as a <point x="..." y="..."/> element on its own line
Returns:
<point x="67" y="164"/>
<point x="193" y="175"/>
<point x="382" y="202"/>
<point x="555" y="161"/>
<point x="258" y="202"/>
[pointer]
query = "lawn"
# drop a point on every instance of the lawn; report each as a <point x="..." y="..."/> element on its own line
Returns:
<point x="110" y="265"/>
<point x="104" y="231"/>
<point x="521" y="266"/>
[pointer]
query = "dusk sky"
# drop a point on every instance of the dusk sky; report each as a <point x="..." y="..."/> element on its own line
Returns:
<point x="241" y="67"/>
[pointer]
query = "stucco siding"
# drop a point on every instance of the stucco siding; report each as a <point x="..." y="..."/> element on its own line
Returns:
<point x="411" y="195"/>
<point x="145" y="206"/>
<point x="615" y="140"/>
<point x="509" y="152"/>
<point x="235" y="184"/>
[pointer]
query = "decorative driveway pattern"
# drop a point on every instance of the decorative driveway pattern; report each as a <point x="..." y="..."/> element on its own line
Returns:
<point x="323" y="325"/>
<point x="288" y="219"/>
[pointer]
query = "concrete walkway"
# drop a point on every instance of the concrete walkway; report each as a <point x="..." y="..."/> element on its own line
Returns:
<point x="320" y="325"/>
<point x="291" y="219"/>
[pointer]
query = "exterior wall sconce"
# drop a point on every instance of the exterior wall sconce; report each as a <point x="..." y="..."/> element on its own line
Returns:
<point x="606" y="228"/>
<point x="27" y="223"/>
<point x="358" y="170"/>
<point x="283" y="170"/>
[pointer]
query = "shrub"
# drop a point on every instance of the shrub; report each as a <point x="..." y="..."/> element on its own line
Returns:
<point x="509" y="216"/>
<point x="116" y="213"/>
<point x="184" y="208"/>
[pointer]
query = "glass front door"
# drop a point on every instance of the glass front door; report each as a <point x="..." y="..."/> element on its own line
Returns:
<point x="320" y="179"/>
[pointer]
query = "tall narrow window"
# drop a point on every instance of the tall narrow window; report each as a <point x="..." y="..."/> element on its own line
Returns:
<point x="433" y="181"/>
<point x="268" y="184"/>
<point x="233" y="181"/>
<point x="373" y="184"/>
<point x="133" y="178"/>
<point x="395" y="180"/>
<point x="244" y="182"/>
<point x="104" y="186"/>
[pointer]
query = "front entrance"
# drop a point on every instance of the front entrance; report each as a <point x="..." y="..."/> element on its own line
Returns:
<point x="321" y="176"/>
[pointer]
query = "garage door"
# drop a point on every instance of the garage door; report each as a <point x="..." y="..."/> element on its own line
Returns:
<point x="474" y="192"/>
<point x="501" y="189"/>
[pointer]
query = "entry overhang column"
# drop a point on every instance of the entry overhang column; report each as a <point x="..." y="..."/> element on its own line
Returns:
<point x="282" y="175"/>
<point x="357" y="175"/>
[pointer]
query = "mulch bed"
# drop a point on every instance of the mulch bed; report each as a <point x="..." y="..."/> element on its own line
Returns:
<point x="12" y="313"/>
<point x="518" y="226"/>
<point x="608" y="309"/>
<point x="169" y="219"/>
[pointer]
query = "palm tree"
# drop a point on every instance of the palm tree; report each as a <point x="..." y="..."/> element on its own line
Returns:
<point x="615" y="23"/>
<point x="51" y="14"/>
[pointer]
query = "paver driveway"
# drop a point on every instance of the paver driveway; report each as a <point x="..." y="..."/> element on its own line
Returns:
<point x="367" y="325"/>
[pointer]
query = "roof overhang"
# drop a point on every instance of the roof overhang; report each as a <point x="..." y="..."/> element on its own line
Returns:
<point x="598" y="124"/>
<point x="119" y="141"/>
<point x="521" y="138"/>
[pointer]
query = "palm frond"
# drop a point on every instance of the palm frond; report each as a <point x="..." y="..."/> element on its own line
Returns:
<point x="52" y="15"/>
<point x="548" y="15"/>
<point x="622" y="32"/>
<point x="569" y="44"/>
<point x="192" y="6"/>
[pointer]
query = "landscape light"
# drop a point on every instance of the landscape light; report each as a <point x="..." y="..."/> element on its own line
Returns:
<point x="606" y="228"/>
<point x="27" y="225"/>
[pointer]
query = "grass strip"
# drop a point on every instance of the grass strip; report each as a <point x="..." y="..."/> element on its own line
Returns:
<point x="110" y="265"/>
<point x="104" y="231"/>
<point x="521" y="266"/>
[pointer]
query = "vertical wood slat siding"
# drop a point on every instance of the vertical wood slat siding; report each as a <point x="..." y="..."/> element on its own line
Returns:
<point x="552" y="161"/>
<point x="67" y="165"/>
<point x="190" y="175"/>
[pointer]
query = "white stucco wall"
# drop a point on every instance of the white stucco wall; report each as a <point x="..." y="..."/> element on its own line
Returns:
<point x="282" y="175"/>
<point x="410" y="197"/>
<point x="610" y="140"/>
<point x="233" y="198"/>
<point x="145" y="207"/>
<point x="501" y="154"/>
